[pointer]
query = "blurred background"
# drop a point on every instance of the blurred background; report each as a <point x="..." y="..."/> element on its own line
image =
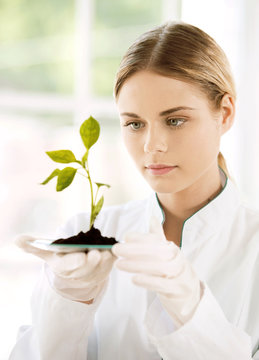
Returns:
<point x="58" y="60"/>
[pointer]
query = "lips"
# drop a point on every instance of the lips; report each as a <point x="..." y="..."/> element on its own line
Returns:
<point x="160" y="169"/>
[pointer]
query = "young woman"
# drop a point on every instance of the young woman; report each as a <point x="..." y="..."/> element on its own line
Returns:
<point x="185" y="286"/>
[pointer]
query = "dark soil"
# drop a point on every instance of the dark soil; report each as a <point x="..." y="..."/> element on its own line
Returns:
<point x="91" y="237"/>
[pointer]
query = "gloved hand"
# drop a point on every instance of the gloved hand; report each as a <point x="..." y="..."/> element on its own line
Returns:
<point x="161" y="267"/>
<point x="77" y="276"/>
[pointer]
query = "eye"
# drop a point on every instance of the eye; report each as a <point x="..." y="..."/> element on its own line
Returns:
<point x="135" y="125"/>
<point x="175" y="122"/>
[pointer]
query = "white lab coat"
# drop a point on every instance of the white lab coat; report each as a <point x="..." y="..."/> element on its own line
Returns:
<point x="221" y="240"/>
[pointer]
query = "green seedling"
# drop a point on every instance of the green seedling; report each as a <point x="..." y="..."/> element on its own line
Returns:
<point x="89" y="132"/>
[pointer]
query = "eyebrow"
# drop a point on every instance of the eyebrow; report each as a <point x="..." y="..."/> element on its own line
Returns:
<point x="163" y="113"/>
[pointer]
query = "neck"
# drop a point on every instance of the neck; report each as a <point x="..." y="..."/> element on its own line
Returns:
<point x="181" y="205"/>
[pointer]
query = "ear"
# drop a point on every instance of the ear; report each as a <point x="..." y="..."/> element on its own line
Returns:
<point x="228" y="111"/>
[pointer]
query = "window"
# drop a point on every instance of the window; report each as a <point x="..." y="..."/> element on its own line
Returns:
<point x="57" y="66"/>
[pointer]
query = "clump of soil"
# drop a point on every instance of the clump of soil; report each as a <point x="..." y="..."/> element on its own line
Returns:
<point x="91" y="237"/>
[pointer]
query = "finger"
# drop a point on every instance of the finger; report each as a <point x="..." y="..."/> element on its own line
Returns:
<point x="25" y="243"/>
<point x="103" y="269"/>
<point x="139" y="251"/>
<point x="64" y="264"/>
<point x="96" y="262"/>
<point x="158" y="268"/>
<point x="99" y="273"/>
<point x="106" y="255"/>
<point x="91" y="261"/>
<point x="161" y="285"/>
<point x="73" y="264"/>
<point x="93" y="258"/>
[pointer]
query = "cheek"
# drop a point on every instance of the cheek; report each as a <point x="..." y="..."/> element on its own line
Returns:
<point x="202" y="145"/>
<point x="133" y="147"/>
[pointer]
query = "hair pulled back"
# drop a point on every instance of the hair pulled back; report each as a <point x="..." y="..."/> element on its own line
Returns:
<point x="184" y="52"/>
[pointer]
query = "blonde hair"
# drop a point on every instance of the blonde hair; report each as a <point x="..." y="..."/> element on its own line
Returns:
<point x="185" y="52"/>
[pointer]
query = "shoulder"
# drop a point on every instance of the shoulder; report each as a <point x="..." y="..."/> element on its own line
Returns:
<point x="246" y="227"/>
<point x="241" y="218"/>
<point x="248" y="218"/>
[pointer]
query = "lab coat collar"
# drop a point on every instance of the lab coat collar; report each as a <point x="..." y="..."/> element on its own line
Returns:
<point x="210" y="218"/>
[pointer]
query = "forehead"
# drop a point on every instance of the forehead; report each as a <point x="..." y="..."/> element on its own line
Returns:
<point x="151" y="90"/>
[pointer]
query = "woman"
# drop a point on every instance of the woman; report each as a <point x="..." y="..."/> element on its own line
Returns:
<point x="192" y="247"/>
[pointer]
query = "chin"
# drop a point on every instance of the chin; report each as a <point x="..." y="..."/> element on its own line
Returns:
<point x="163" y="187"/>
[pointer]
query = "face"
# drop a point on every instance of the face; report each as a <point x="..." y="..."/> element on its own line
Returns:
<point x="169" y="130"/>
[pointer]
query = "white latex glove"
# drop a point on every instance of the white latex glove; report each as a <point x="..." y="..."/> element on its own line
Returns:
<point x="77" y="276"/>
<point x="161" y="267"/>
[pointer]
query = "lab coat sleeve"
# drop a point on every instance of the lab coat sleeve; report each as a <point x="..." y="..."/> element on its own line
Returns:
<point x="207" y="334"/>
<point x="60" y="327"/>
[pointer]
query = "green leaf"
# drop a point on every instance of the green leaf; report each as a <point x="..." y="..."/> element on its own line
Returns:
<point x="52" y="175"/>
<point x="85" y="157"/>
<point x="97" y="208"/>
<point x="65" y="178"/>
<point x="90" y="131"/>
<point x="100" y="184"/>
<point x="62" y="156"/>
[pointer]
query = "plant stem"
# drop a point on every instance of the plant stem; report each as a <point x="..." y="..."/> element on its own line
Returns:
<point x="86" y="167"/>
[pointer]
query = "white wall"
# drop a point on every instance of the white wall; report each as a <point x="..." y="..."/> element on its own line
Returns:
<point x="234" y="25"/>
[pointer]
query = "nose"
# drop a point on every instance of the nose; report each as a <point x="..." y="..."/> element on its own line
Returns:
<point x="155" y="142"/>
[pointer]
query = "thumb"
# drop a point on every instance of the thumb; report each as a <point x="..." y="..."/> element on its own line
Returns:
<point x="25" y="242"/>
